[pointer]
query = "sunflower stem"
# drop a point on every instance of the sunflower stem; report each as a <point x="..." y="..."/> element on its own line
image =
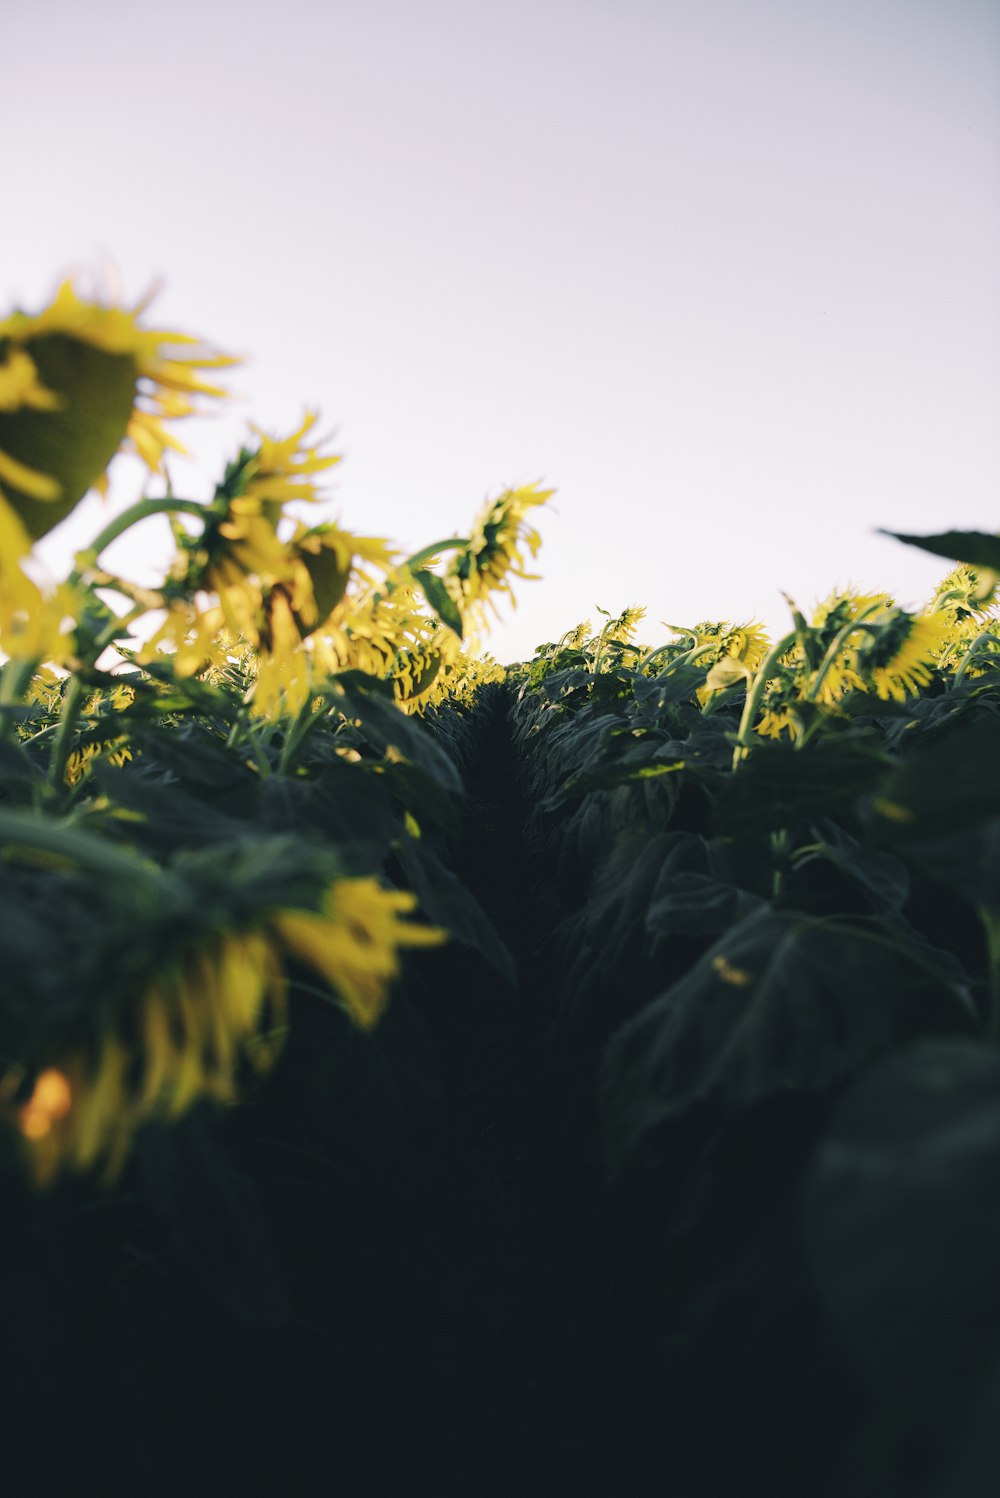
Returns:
<point x="14" y="680"/>
<point x="295" y="737"/>
<point x="979" y="644"/>
<point x="837" y="645"/>
<point x="141" y="510"/>
<point x="29" y="830"/>
<point x="756" y="694"/>
<point x="64" y="733"/>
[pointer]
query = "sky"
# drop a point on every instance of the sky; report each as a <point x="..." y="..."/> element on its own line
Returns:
<point x="726" y="276"/>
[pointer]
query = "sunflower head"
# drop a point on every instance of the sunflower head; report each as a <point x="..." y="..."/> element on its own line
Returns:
<point x="967" y="592"/>
<point x="622" y="629"/>
<point x="80" y="381"/>
<point x="842" y="608"/>
<point x="495" y="551"/>
<point x="899" y="657"/>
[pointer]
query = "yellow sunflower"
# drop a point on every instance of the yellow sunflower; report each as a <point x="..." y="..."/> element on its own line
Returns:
<point x="354" y="941"/>
<point x="79" y="382"/>
<point x="495" y="552"/>
<point x="901" y="661"/>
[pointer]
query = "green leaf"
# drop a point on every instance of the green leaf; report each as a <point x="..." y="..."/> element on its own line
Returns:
<point x="780" y="786"/>
<point x="902" y="1228"/>
<point x="446" y="901"/>
<point x="440" y="599"/>
<point x="75" y="444"/>
<point x="780" y="1003"/>
<point x="688" y="899"/>
<point x="977" y="547"/>
<point x="884" y="878"/>
<point x="943" y="786"/>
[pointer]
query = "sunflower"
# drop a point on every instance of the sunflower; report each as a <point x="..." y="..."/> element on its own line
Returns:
<point x="79" y="382"/>
<point x="354" y="941"/>
<point x="733" y="653"/>
<point x="250" y="564"/>
<point x="774" y="722"/>
<point x="218" y="1010"/>
<point x="843" y="607"/>
<point x="193" y="638"/>
<point x="900" y="657"/>
<point x="282" y="468"/>
<point x="495" y="552"/>
<point x="966" y="592"/>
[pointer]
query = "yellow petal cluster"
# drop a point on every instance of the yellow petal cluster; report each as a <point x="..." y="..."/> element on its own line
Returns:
<point x="219" y="1009"/>
<point x="495" y="553"/>
<point x="283" y="468"/>
<point x="191" y="637"/>
<point x="34" y="626"/>
<point x="354" y="941"/>
<point x="167" y="364"/>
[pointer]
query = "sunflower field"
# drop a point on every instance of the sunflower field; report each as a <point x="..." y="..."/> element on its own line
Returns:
<point x="420" y="1075"/>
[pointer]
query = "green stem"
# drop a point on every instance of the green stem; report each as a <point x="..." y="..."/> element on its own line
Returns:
<point x="978" y="644"/>
<point x="242" y="734"/>
<point x="427" y="553"/>
<point x="14" y="680"/>
<point x="64" y="734"/>
<point x="686" y="658"/>
<point x="756" y="693"/>
<point x="602" y="641"/>
<point x="654" y="654"/>
<point x="141" y="510"/>
<point x="779" y="850"/>
<point x="839" y="640"/>
<point x="29" y="830"/>
<point x="295" y="737"/>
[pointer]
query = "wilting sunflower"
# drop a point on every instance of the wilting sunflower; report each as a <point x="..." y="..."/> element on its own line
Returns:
<point x="966" y="592"/>
<point x="80" y="381"/>
<point x="258" y="570"/>
<point x="899" y="658"/>
<point x="732" y="653"/>
<point x="214" y="1012"/>
<point x="622" y="629"/>
<point x="843" y="607"/>
<point x="774" y="722"/>
<point x="495" y="552"/>
<point x="354" y="940"/>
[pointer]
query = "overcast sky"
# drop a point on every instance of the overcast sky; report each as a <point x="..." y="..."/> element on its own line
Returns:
<point x="725" y="275"/>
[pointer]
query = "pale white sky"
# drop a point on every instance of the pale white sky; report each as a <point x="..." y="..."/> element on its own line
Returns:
<point x="725" y="275"/>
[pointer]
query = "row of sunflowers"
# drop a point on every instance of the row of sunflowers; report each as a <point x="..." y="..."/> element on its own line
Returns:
<point x="765" y="960"/>
<point x="186" y="768"/>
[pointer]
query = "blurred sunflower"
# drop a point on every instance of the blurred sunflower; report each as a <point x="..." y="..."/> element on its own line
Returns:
<point x="79" y="382"/>
<point x="355" y="940"/>
<point x="217" y="1010"/>
<point x="260" y="574"/>
<point x="966" y="592"/>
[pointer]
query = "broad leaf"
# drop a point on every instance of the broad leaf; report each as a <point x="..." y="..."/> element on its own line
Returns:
<point x="977" y="547"/>
<point x="440" y="599"/>
<point x="780" y="1003"/>
<point x="902" y="1225"/>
